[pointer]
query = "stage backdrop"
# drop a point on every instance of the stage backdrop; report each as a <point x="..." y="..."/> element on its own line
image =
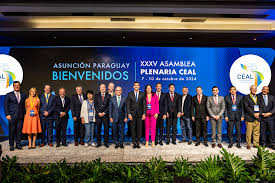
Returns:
<point x="89" y="66"/>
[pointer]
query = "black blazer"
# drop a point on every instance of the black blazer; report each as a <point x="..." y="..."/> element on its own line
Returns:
<point x="76" y="105"/>
<point x="186" y="106"/>
<point x="249" y="107"/>
<point x="199" y="110"/>
<point x="102" y="106"/>
<point x="58" y="108"/>
<point x="173" y="107"/>
<point x="136" y="109"/>
<point x="12" y="107"/>
<point x="270" y="106"/>
<point x="233" y="115"/>
<point x="162" y="105"/>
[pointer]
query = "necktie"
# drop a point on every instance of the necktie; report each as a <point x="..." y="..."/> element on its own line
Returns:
<point x="216" y="99"/>
<point x="102" y="97"/>
<point x="136" y="96"/>
<point x="265" y="100"/>
<point x="118" y="101"/>
<point x="18" y="98"/>
<point x="172" y="96"/>
<point x="199" y="99"/>
<point x="233" y="99"/>
<point x="47" y="98"/>
<point x="158" y="96"/>
<point x="63" y="101"/>
<point x="80" y="99"/>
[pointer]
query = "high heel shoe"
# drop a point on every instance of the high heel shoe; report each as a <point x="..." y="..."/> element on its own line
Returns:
<point x="153" y="144"/>
<point x="33" y="147"/>
<point x="146" y="144"/>
<point x="29" y="147"/>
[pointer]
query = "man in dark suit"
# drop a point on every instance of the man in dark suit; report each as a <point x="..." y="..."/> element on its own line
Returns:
<point x="173" y="114"/>
<point x="185" y="103"/>
<point x="136" y="113"/>
<point x="47" y="115"/>
<point x="15" y="111"/>
<point x="61" y="110"/>
<point x="76" y="103"/>
<point x="118" y="116"/>
<point x="234" y="115"/>
<point x="268" y="117"/>
<point x="200" y="116"/>
<point x="162" y="114"/>
<point x="102" y="100"/>
<point x="253" y="108"/>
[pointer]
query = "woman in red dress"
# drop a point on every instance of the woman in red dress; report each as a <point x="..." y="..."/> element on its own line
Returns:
<point x="32" y="124"/>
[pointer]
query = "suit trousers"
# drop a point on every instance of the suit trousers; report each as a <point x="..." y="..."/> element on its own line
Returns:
<point x="171" y="122"/>
<point x="15" y="131"/>
<point x="118" y="131"/>
<point x="150" y="126"/>
<point x="79" y="130"/>
<point x="252" y="128"/>
<point x="61" y="130"/>
<point x="201" y="126"/>
<point x="47" y="124"/>
<point x="105" y="120"/>
<point x="216" y="128"/>
<point x="136" y="129"/>
<point x="230" y="128"/>
<point x="159" y="129"/>
<point x="268" y="124"/>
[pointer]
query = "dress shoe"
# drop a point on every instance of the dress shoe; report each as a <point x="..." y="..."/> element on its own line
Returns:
<point x="230" y="145"/>
<point x="134" y="146"/>
<point x="168" y="142"/>
<point x="239" y="145"/>
<point x="82" y="143"/>
<point x="121" y="146"/>
<point x="205" y="144"/>
<point x="138" y="146"/>
<point x="76" y="143"/>
<point x="65" y="145"/>
<point x="160" y="143"/>
<point x="156" y="142"/>
<point x="197" y="143"/>
<point x="50" y="144"/>
<point x="106" y="145"/>
<point x="248" y="147"/>
<point x="220" y="145"/>
<point x="190" y="142"/>
<point x="117" y="146"/>
<point x="174" y="142"/>
<point x="18" y="147"/>
<point x="98" y="145"/>
<point x="42" y="145"/>
<point x="11" y="148"/>
<point x="57" y="145"/>
<point x="213" y="145"/>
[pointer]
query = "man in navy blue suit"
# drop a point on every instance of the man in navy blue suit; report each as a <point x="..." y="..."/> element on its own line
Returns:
<point x="61" y="112"/>
<point x="118" y="116"/>
<point x="15" y="112"/>
<point x="47" y="115"/>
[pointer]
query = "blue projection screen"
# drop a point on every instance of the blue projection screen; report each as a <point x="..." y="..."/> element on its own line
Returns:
<point x="89" y="66"/>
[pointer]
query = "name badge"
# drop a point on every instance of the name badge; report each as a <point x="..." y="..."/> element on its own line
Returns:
<point x="91" y="113"/>
<point x="256" y="108"/>
<point x="31" y="113"/>
<point x="234" y="108"/>
<point x="148" y="106"/>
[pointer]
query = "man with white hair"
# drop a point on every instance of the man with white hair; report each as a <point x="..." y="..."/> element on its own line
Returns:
<point x="253" y="107"/>
<point x="76" y="103"/>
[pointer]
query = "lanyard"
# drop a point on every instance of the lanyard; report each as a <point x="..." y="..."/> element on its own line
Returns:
<point x="234" y="99"/>
<point x="91" y="105"/>
<point x="32" y="103"/>
<point x="47" y="97"/>
<point x="253" y="99"/>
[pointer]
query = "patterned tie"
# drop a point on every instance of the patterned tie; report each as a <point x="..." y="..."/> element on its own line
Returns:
<point x="18" y="97"/>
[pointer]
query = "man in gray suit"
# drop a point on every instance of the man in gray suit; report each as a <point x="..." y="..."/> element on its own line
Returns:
<point x="215" y="107"/>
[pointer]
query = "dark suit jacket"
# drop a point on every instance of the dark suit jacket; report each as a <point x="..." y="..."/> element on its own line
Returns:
<point x="162" y="105"/>
<point x="172" y="107"/>
<point x="186" y="106"/>
<point x="76" y="105"/>
<point x="58" y="108"/>
<point x="118" y="113"/>
<point x="136" y="109"/>
<point x="270" y="106"/>
<point x="102" y="106"/>
<point x="248" y="105"/>
<point x="233" y="115"/>
<point x="11" y="106"/>
<point x="47" y="107"/>
<point x="199" y="110"/>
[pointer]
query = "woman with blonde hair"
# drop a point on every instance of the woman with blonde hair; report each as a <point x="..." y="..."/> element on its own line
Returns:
<point x="32" y="124"/>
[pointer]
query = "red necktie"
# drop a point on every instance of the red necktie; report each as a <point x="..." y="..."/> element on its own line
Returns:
<point x="199" y="99"/>
<point x="102" y="97"/>
<point x="172" y="97"/>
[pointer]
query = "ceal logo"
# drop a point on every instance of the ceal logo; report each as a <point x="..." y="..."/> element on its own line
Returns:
<point x="10" y="70"/>
<point x="250" y="70"/>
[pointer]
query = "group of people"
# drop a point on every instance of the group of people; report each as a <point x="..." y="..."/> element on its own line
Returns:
<point x="38" y="113"/>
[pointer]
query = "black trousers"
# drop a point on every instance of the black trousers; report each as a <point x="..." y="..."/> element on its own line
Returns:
<point x="136" y="129"/>
<point x="61" y="130"/>
<point x="201" y="127"/>
<point x="230" y="128"/>
<point x="171" y="122"/>
<point x="105" y="120"/>
<point x="46" y="124"/>
<point x="15" y="131"/>
<point x="79" y="130"/>
<point x="268" y="125"/>
<point x="159" y="129"/>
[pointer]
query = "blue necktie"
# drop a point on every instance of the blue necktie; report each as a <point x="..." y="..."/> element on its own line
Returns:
<point x="265" y="100"/>
<point x="136" y="97"/>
